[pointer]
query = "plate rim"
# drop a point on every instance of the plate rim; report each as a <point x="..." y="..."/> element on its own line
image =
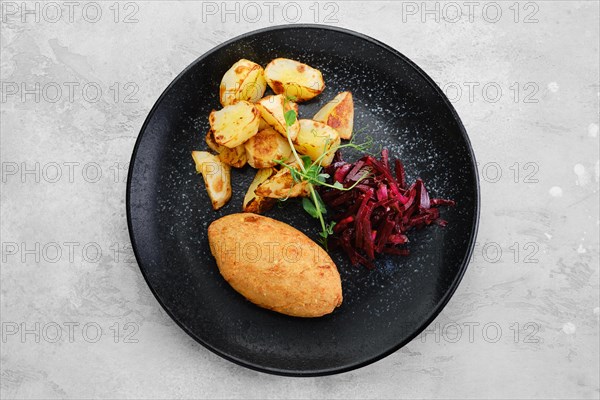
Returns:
<point x="438" y="307"/>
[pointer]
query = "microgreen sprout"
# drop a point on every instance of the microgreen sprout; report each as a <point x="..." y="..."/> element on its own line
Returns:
<point x="312" y="172"/>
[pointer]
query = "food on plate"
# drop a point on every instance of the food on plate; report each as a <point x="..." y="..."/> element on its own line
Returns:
<point x="339" y="114"/>
<point x="375" y="216"/>
<point x="282" y="186"/>
<point x="258" y="204"/>
<point x="265" y="147"/>
<point x="371" y="210"/>
<point x="245" y="80"/>
<point x="294" y="79"/>
<point x="217" y="177"/>
<point x="275" y="266"/>
<point x="243" y="131"/>
<point x="315" y="138"/>
<point x="235" y="123"/>
<point x="273" y="109"/>
<point x="293" y="106"/>
<point x="235" y="157"/>
<point x="263" y="124"/>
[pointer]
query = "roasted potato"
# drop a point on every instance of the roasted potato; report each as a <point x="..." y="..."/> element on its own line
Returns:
<point x="263" y="124"/>
<point x="256" y="204"/>
<point x="294" y="106"/>
<point x="265" y="147"/>
<point x="217" y="177"/>
<point x="315" y="138"/>
<point x="272" y="110"/>
<point x="245" y="80"/>
<point x="338" y="114"/>
<point x="281" y="186"/>
<point x="295" y="80"/>
<point x="235" y="157"/>
<point x="275" y="266"/>
<point x="234" y="124"/>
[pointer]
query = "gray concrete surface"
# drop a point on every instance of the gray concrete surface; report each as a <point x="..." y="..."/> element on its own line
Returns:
<point x="78" y="320"/>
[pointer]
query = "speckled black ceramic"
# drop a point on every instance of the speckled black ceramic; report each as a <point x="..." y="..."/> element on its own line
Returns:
<point x="169" y="211"/>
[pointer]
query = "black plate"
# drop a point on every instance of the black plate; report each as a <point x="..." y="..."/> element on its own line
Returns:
<point x="168" y="209"/>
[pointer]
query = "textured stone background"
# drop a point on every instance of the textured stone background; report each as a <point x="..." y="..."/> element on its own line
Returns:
<point x="524" y="321"/>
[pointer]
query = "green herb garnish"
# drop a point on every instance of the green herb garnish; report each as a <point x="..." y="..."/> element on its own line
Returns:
<point x="312" y="172"/>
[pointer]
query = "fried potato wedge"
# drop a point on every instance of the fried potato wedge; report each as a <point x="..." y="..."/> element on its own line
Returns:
<point x="295" y="80"/>
<point x="265" y="147"/>
<point x="273" y="108"/>
<point x="245" y="80"/>
<point x="316" y="138"/>
<point x="234" y="124"/>
<point x="263" y="124"/>
<point x="217" y="177"/>
<point x="338" y="114"/>
<point x="293" y="106"/>
<point x="275" y="266"/>
<point x="281" y="186"/>
<point x="256" y="204"/>
<point x="235" y="157"/>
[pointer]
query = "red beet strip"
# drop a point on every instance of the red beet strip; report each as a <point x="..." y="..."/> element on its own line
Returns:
<point x="376" y="215"/>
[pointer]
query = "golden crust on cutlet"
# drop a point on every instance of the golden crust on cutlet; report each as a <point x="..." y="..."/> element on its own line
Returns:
<point x="275" y="266"/>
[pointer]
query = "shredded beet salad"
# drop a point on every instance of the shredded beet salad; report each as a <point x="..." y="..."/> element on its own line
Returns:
<point x="375" y="216"/>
